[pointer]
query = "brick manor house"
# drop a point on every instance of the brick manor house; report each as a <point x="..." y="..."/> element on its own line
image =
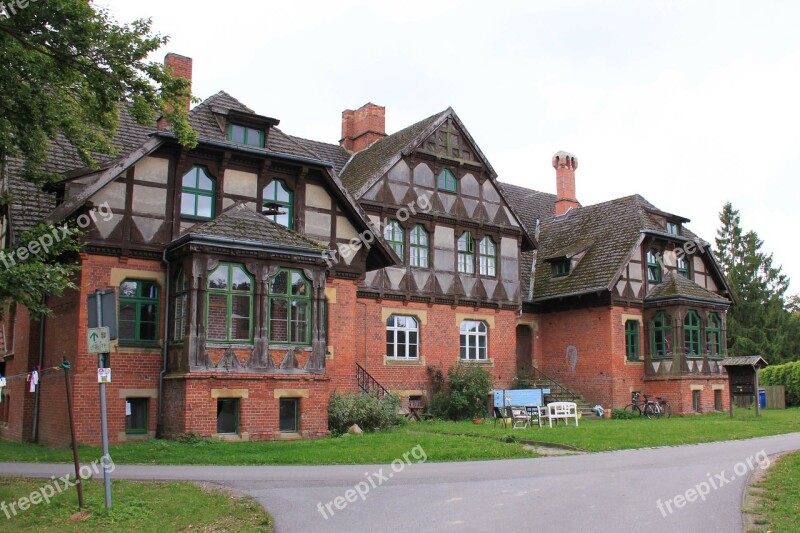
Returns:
<point x="237" y="320"/>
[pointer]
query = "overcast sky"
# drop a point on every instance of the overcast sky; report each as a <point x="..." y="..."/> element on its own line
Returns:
<point x="690" y="104"/>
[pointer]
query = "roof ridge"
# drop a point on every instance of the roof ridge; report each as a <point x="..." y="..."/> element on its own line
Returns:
<point x="300" y="146"/>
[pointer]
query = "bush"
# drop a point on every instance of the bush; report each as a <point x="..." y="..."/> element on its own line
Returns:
<point x="467" y="389"/>
<point x="622" y="414"/>
<point x="787" y="375"/>
<point x="366" y="410"/>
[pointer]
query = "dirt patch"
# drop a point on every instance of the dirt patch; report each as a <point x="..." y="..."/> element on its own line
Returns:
<point x="751" y="500"/>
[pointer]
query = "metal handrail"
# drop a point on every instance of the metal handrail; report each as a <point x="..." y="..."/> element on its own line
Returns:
<point x="538" y="374"/>
<point x="368" y="384"/>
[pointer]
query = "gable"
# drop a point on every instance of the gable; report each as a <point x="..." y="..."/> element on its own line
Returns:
<point x="449" y="140"/>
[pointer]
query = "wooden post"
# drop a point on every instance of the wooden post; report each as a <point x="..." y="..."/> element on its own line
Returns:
<point x="758" y="398"/>
<point x="76" y="458"/>
<point x="730" y="393"/>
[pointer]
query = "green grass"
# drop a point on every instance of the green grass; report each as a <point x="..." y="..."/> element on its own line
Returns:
<point x="174" y="506"/>
<point x="441" y="441"/>
<point x="603" y="435"/>
<point x="779" y="503"/>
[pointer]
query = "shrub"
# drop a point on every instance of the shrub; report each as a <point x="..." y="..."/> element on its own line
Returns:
<point x="622" y="414"/>
<point x="787" y="375"/>
<point x="366" y="410"/>
<point x="465" y="397"/>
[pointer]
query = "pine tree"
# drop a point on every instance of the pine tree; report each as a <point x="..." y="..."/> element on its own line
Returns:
<point x="761" y="322"/>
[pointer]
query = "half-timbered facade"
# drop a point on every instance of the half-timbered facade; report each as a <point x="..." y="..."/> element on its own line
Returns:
<point x="258" y="273"/>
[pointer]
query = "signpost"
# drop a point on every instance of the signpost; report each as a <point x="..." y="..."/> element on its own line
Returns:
<point x="99" y="338"/>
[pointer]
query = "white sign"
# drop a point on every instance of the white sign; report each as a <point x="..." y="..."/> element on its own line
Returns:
<point x="99" y="340"/>
<point x="104" y="375"/>
<point x="2" y="382"/>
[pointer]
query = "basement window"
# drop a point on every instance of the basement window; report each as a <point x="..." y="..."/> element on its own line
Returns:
<point x="289" y="415"/>
<point x="228" y="416"/>
<point x="244" y="135"/>
<point x="136" y="416"/>
<point x="696" y="401"/>
<point x="560" y="268"/>
<point x="717" y="400"/>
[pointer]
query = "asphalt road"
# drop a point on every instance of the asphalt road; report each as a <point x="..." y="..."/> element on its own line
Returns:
<point x="614" y="491"/>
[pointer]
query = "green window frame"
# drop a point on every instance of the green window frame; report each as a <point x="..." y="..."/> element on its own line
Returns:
<point x="560" y="268"/>
<point x="138" y="311"/>
<point x="661" y="335"/>
<point x="136" y="415"/>
<point x="683" y="267"/>
<point x="419" y="246"/>
<point x="466" y="253"/>
<point x="395" y="235"/>
<point x="713" y="336"/>
<point x="632" y="340"/>
<point x="276" y="193"/>
<point x="229" y="304"/>
<point x="447" y="181"/>
<point x="474" y="340"/>
<point x="197" y="193"/>
<point x="289" y="308"/>
<point x="691" y="334"/>
<point x="244" y="135"/>
<point x="487" y="257"/>
<point x="653" y="266"/>
<point x="180" y="310"/>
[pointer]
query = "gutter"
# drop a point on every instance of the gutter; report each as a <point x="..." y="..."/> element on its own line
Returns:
<point x="165" y="352"/>
<point x="35" y="429"/>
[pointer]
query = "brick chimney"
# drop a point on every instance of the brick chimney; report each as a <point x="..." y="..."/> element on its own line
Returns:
<point x="565" y="165"/>
<point x="362" y="127"/>
<point x="181" y="66"/>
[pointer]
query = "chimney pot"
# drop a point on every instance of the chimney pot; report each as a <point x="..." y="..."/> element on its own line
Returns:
<point x="565" y="164"/>
<point x="362" y="127"/>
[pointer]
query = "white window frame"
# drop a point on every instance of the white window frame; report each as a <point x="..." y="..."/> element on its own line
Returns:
<point x="410" y="326"/>
<point x="471" y="333"/>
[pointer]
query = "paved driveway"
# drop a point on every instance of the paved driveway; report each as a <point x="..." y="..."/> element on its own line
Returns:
<point x="614" y="491"/>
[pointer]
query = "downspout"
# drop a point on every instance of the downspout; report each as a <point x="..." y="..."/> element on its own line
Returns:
<point x="165" y="352"/>
<point x="35" y="429"/>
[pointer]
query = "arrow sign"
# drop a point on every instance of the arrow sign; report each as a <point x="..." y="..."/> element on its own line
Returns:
<point x="99" y="340"/>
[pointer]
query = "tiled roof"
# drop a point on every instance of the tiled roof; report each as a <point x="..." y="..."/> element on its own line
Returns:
<point x="745" y="360"/>
<point x="332" y="153"/>
<point x="675" y="286"/>
<point x="374" y="160"/>
<point x="242" y="224"/>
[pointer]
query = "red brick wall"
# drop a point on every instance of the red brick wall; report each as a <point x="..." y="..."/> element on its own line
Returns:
<point x="678" y="392"/>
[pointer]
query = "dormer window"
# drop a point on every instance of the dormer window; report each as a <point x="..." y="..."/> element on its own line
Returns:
<point x="560" y="268"/>
<point x="673" y="228"/>
<point x="244" y="135"/>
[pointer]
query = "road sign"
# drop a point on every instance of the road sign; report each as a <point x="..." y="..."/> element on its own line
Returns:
<point x="104" y="375"/>
<point x="99" y="340"/>
<point x="108" y="301"/>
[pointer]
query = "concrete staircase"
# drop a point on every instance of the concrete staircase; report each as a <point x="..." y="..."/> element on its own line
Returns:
<point x="558" y="392"/>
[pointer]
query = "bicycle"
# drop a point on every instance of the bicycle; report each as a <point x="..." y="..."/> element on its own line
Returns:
<point x="634" y="405"/>
<point x="650" y="409"/>
<point x="666" y="410"/>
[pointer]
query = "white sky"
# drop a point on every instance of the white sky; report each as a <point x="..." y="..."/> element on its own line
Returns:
<point x="690" y="104"/>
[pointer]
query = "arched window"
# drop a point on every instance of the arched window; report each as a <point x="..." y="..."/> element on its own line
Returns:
<point x="713" y="338"/>
<point x="653" y="266"/>
<point x="418" y="246"/>
<point x="395" y="236"/>
<point x="197" y="193"/>
<point x="229" y="314"/>
<point x="278" y="203"/>
<point x="289" y="308"/>
<point x="473" y="340"/>
<point x="661" y="335"/>
<point x="683" y="267"/>
<point x="691" y="334"/>
<point x="466" y="253"/>
<point x="632" y="339"/>
<point x="447" y="181"/>
<point x="402" y="337"/>
<point x="181" y="300"/>
<point x="487" y="257"/>
<point x="138" y="311"/>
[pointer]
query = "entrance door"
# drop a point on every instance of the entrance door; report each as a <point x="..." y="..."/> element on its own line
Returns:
<point x="524" y="352"/>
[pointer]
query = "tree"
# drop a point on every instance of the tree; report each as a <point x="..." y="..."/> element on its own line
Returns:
<point x="67" y="67"/>
<point x="761" y="323"/>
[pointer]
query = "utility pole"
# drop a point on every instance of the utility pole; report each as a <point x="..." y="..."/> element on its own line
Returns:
<point x="103" y="416"/>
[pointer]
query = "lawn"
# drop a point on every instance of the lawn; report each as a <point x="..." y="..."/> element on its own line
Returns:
<point x="174" y="506"/>
<point x="441" y="441"/>
<point x="779" y="503"/>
